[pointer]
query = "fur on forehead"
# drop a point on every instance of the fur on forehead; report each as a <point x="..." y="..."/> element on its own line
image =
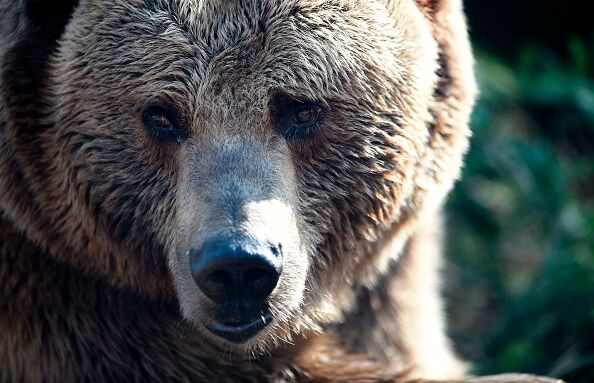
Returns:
<point x="282" y="42"/>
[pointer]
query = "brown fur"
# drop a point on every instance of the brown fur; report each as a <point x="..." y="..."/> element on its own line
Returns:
<point x="96" y="216"/>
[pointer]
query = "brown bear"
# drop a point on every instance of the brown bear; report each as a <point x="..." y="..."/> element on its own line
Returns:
<point x="227" y="190"/>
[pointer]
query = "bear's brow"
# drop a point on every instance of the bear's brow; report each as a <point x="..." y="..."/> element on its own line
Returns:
<point x="240" y="22"/>
<point x="194" y="21"/>
<point x="175" y="15"/>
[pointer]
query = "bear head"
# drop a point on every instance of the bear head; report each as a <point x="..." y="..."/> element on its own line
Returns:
<point x="253" y="160"/>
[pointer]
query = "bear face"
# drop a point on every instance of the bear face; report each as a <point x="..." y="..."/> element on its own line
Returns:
<point x="179" y="139"/>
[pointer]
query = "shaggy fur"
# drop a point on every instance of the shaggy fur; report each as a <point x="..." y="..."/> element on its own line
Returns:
<point x="97" y="216"/>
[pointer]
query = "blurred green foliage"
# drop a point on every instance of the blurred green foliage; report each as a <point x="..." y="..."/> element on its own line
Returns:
<point x="521" y="220"/>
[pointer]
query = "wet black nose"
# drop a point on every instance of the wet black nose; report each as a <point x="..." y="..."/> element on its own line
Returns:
<point x="236" y="273"/>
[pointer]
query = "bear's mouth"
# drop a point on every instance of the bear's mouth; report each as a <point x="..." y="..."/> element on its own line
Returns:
<point x="239" y="331"/>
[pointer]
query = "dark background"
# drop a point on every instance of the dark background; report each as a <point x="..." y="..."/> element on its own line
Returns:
<point x="521" y="221"/>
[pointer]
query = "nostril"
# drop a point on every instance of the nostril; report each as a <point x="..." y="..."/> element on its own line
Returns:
<point x="260" y="282"/>
<point x="215" y="284"/>
<point x="277" y="251"/>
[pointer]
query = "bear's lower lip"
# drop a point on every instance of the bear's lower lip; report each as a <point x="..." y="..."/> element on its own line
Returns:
<point x="239" y="332"/>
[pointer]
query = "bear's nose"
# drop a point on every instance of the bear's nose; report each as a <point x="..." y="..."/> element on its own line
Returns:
<point x="235" y="274"/>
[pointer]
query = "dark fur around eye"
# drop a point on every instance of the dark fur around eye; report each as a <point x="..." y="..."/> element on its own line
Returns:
<point x="163" y="123"/>
<point x="295" y="119"/>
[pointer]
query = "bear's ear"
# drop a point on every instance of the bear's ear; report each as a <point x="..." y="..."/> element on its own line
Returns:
<point x="430" y="6"/>
<point x="43" y="12"/>
<point x="47" y="19"/>
<point x="34" y="28"/>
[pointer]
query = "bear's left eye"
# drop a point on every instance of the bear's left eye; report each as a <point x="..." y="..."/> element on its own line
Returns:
<point x="306" y="115"/>
<point x="296" y="119"/>
<point x="161" y="123"/>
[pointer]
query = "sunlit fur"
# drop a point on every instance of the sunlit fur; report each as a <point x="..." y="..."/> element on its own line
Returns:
<point x="98" y="216"/>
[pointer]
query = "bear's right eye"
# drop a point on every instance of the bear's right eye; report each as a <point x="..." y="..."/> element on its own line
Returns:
<point x="162" y="124"/>
<point x="296" y="119"/>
